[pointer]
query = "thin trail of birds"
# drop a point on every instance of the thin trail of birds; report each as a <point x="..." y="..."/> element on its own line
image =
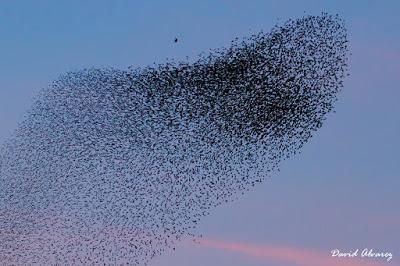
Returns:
<point x="113" y="167"/>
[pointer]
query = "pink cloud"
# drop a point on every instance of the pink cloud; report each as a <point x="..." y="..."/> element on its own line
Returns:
<point x="36" y="241"/>
<point x="297" y="256"/>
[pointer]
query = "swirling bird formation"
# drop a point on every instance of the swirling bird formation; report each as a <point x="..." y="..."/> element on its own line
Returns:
<point x="111" y="167"/>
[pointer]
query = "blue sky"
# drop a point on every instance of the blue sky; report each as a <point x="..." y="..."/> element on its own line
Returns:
<point x="342" y="191"/>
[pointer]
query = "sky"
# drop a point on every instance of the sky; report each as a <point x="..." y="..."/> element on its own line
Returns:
<point x="340" y="192"/>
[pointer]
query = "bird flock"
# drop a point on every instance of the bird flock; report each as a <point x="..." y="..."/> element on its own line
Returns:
<point x="113" y="167"/>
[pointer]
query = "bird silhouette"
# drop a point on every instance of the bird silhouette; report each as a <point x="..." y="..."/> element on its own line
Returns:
<point x="113" y="167"/>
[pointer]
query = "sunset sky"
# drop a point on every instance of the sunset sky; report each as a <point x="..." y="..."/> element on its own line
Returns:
<point x="342" y="190"/>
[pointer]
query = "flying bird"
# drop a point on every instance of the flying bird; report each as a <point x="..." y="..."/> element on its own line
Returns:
<point x="114" y="166"/>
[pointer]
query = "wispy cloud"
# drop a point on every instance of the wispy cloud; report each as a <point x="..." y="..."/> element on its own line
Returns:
<point x="284" y="254"/>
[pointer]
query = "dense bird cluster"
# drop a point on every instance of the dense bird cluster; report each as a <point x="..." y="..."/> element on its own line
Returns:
<point x="112" y="166"/>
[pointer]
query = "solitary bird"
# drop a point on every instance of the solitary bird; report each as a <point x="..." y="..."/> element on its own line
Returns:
<point x="176" y="40"/>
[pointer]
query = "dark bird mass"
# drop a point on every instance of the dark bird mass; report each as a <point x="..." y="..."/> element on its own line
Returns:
<point x="112" y="167"/>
